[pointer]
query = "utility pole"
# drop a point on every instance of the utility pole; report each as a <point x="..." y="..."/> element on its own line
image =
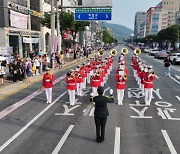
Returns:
<point x="52" y="26"/>
<point x="29" y="24"/>
<point x="58" y="26"/>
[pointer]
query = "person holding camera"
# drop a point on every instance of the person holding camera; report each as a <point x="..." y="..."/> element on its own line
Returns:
<point x="101" y="112"/>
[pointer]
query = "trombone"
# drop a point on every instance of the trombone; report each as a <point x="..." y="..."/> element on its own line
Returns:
<point x="113" y="52"/>
<point x="137" y="51"/>
<point x="124" y="51"/>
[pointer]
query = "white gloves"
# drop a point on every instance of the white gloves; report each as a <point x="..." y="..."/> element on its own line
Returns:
<point x="111" y="91"/>
<point x="91" y="94"/>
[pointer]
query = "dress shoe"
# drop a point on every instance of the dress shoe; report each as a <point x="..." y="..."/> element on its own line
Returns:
<point x="98" y="140"/>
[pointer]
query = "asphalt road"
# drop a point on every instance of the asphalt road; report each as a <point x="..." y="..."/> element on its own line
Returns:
<point x="29" y="126"/>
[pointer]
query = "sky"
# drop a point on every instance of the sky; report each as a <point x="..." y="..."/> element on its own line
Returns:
<point x="123" y="11"/>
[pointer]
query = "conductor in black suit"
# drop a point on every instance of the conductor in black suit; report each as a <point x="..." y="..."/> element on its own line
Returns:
<point x="101" y="112"/>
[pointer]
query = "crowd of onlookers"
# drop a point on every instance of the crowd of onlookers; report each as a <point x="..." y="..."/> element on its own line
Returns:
<point x="22" y="69"/>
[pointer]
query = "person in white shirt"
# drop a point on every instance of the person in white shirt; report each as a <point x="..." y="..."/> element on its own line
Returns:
<point x="2" y="73"/>
<point x="37" y="65"/>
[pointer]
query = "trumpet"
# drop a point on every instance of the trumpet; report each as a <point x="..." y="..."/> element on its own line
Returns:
<point x="125" y="77"/>
<point x="137" y="51"/>
<point x="100" y="53"/>
<point x="124" y="51"/>
<point x="113" y="52"/>
<point x="98" y="73"/>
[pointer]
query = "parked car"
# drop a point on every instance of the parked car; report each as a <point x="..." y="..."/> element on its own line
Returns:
<point x="161" y="54"/>
<point x="146" y="50"/>
<point x="175" y="58"/>
<point x="153" y="52"/>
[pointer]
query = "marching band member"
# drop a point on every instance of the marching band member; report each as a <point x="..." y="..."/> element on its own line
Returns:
<point x="121" y="78"/>
<point x="47" y="82"/>
<point x="71" y="86"/>
<point x="89" y="69"/>
<point x="134" y="64"/>
<point x="149" y="86"/>
<point x="83" y="70"/>
<point x="95" y="83"/>
<point x="79" y="82"/>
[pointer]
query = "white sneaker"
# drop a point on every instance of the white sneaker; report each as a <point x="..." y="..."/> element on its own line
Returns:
<point x="47" y="102"/>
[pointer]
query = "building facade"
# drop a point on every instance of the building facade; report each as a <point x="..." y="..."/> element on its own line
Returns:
<point x="172" y="7"/>
<point x="178" y="18"/>
<point x="20" y="26"/>
<point x="157" y="19"/>
<point x="140" y="18"/>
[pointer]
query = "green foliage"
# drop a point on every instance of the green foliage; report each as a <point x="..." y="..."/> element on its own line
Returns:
<point x="66" y="21"/>
<point x="169" y="34"/>
<point x="46" y="20"/>
<point x="107" y="38"/>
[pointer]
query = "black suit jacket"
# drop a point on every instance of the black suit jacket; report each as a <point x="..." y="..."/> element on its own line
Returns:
<point x="101" y="110"/>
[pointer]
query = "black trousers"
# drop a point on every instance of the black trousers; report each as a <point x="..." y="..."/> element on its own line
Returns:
<point x="15" y="78"/>
<point x="100" y="127"/>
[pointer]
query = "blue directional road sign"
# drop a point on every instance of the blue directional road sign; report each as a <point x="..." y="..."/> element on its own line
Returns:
<point x="93" y="16"/>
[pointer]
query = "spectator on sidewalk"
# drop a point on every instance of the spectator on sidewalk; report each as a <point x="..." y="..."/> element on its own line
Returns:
<point x="2" y="73"/>
<point x="28" y="70"/>
<point x="37" y="65"/>
<point x="15" y="71"/>
<point x="167" y="63"/>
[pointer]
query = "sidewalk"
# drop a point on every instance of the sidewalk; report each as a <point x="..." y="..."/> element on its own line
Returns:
<point x="10" y="88"/>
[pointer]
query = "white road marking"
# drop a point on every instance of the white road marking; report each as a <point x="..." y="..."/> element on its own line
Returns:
<point x="117" y="141"/>
<point x="178" y="98"/>
<point x="67" y="110"/>
<point x="174" y="79"/>
<point x="168" y="141"/>
<point x="63" y="139"/>
<point x="87" y="110"/>
<point x="177" y="76"/>
<point x="91" y="114"/>
<point x="30" y="123"/>
<point x="161" y="113"/>
<point x="140" y="113"/>
<point x="156" y="76"/>
<point x="106" y="89"/>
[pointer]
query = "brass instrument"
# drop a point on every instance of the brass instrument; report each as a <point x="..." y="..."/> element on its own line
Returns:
<point x="125" y="77"/>
<point x="100" y="53"/>
<point x="124" y="51"/>
<point x="137" y="51"/>
<point x="113" y="52"/>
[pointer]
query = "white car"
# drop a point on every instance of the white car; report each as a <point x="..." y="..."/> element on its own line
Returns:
<point x="153" y="52"/>
<point x="146" y="50"/>
<point x="175" y="58"/>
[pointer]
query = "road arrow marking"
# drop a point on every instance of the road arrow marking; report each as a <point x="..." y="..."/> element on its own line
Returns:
<point x="67" y="110"/>
<point x="178" y="77"/>
<point x="168" y="141"/>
